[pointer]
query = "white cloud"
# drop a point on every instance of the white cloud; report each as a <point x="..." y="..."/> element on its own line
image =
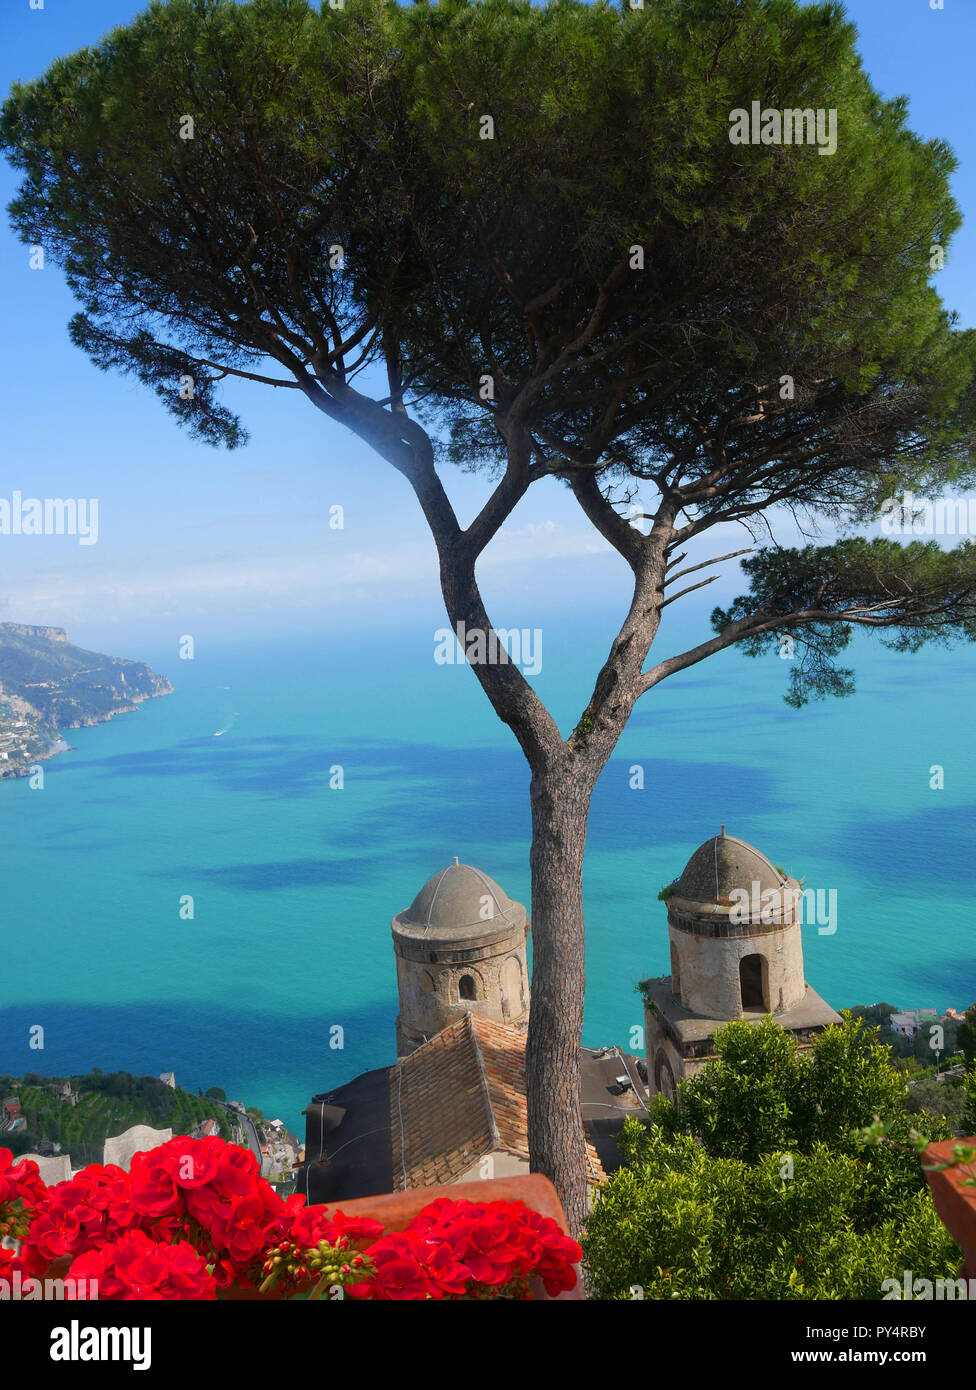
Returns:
<point x="101" y="587"/>
<point x="545" y="540"/>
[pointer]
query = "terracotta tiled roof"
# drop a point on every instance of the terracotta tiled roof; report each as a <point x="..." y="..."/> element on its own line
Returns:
<point x="458" y="1097"/>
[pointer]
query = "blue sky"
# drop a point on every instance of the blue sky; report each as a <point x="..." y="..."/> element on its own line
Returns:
<point x="195" y="540"/>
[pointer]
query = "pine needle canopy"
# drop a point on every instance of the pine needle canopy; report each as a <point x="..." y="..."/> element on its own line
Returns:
<point x="539" y="222"/>
<point x="532" y="195"/>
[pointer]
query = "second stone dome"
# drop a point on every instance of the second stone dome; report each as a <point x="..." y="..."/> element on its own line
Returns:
<point x="460" y="900"/>
<point x="723" y="865"/>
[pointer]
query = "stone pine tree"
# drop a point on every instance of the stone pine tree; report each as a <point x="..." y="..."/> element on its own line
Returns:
<point x="543" y="226"/>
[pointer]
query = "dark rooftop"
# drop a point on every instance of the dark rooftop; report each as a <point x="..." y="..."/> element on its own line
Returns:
<point x="350" y="1126"/>
<point x="358" y="1148"/>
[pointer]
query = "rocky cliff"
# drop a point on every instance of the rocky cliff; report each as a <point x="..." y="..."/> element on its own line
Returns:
<point x="47" y="685"/>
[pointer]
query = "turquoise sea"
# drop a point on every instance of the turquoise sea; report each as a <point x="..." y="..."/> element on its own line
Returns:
<point x="294" y="883"/>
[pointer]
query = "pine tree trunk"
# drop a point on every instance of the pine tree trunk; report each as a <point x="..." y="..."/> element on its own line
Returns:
<point x="556" y="1148"/>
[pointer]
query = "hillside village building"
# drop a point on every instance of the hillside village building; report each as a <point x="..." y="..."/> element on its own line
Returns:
<point x="907" y="1022"/>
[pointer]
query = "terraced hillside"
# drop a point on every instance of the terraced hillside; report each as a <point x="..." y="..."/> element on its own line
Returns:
<point x="81" y="1112"/>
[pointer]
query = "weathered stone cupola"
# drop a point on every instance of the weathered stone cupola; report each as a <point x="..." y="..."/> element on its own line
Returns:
<point x="734" y="926"/>
<point x="460" y="948"/>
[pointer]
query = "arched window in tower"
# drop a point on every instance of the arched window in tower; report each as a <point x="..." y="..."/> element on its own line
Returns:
<point x="466" y="989"/>
<point x="752" y="984"/>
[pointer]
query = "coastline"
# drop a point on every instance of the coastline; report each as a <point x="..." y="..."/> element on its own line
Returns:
<point x="89" y="722"/>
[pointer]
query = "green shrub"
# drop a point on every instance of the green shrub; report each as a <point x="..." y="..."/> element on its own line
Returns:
<point x="755" y="1182"/>
<point x="675" y="1223"/>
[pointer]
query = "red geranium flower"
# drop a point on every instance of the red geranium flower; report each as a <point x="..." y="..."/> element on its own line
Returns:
<point x="26" y="1262"/>
<point x="154" y="1189"/>
<point x="19" y="1181"/>
<point x="446" y="1274"/>
<point x="21" y="1193"/>
<point x="410" y="1266"/>
<point x="483" y="1236"/>
<point x="399" y="1273"/>
<point x="239" y="1169"/>
<point x="502" y="1242"/>
<point x="559" y="1252"/>
<point x="192" y="1162"/>
<point x="315" y="1224"/>
<point x="137" y="1268"/>
<point x="240" y="1228"/>
<point x="57" y="1232"/>
<point x="82" y="1213"/>
<point x="110" y="1192"/>
<point x="98" y="1265"/>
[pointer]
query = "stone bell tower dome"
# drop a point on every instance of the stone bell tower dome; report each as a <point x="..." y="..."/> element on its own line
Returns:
<point x="734" y="927"/>
<point x="460" y="948"/>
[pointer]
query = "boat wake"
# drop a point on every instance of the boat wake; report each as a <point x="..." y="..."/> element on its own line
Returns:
<point x="228" y="722"/>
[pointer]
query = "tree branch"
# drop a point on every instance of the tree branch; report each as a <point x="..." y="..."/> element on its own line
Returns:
<point x="690" y="589"/>
<point x="679" y="574"/>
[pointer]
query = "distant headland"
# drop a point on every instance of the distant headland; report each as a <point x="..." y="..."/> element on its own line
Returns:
<point x="47" y="685"/>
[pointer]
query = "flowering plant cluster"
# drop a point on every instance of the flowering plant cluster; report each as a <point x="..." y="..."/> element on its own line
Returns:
<point x="193" y="1219"/>
<point x="21" y="1192"/>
